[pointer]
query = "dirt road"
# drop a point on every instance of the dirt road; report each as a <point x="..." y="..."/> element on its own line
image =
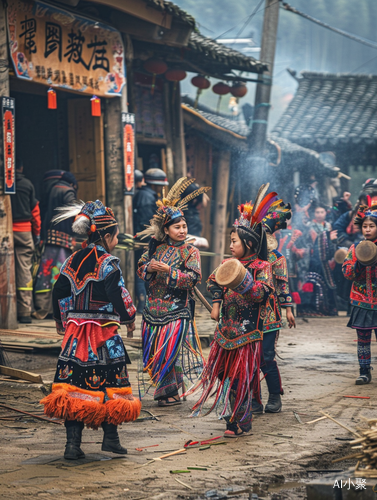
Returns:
<point x="318" y="369"/>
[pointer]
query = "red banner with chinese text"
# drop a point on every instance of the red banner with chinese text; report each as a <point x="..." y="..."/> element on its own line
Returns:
<point x="57" y="48"/>
<point x="128" y="123"/>
<point x="8" y="108"/>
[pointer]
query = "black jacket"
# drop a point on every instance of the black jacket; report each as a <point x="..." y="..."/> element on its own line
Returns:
<point x="24" y="201"/>
<point x="144" y="206"/>
<point x="61" y="194"/>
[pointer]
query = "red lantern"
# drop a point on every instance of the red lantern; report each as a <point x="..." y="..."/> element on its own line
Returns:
<point x="201" y="82"/>
<point x="156" y="67"/>
<point x="175" y="75"/>
<point x="238" y="89"/>
<point x="51" y="99"/>
<point x="221" y="88"/>
<point x="96" y="106"/>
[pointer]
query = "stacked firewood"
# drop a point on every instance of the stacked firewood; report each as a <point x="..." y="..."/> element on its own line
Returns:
<point x="366" y="445"/>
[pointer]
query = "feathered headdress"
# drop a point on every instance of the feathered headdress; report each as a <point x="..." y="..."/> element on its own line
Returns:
<point x="251" y="217"/>
<point x="277" y="216"/>
<point x="89" y="217"/>
<point x="170" y="208"/>
<point x="363" y="212"/>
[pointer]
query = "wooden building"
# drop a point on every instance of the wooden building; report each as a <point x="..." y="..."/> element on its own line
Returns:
<point x="84" y="48"/>
<point x="337" y="113"/>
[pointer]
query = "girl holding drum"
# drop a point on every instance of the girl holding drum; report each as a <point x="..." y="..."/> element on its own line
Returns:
<point x="239" y="288"/>
<point x="360" y="266"/>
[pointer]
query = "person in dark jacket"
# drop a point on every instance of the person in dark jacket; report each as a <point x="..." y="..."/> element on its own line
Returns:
<point x="26" y="233"/>
<point x="192" y="214"/>
<point x="59" y="243"/>
<point x="144" y="206"/>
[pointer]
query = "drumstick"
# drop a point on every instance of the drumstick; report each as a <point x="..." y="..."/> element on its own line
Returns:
<point x="203" y="300"/>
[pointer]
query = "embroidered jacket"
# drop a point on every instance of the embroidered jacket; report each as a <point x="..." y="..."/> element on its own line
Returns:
<point x="91" y="287"/>
<point x="281" y="296"/>
<point x="241" y="317"/>
<point x="364" y="286"/>
<point x="169" y="293"/>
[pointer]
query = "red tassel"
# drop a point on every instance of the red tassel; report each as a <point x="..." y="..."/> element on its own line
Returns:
<point x="296" y="298"/>
<point x="93" y="228"/>
<point x="308" y="287"/>
<point x="369" y="200"/>
<point x="96" y="106"/>
<point x="51" y="99"/>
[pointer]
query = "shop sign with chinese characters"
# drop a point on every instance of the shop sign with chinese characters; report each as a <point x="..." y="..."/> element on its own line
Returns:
<point x="128" y="124"/>
<point x="8" y="108"/>
<point x="57" y="48"/>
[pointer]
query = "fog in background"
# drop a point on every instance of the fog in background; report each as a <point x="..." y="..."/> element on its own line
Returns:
<point x="301" y="45"/>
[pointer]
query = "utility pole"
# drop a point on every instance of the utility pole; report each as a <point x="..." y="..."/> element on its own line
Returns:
<point x="257" y="136"/>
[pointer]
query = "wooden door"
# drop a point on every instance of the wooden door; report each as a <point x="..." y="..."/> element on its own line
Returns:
<point x="86" y="150"/>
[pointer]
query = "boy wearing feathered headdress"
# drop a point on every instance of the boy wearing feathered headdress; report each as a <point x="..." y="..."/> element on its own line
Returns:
<point x="275" y="219"/>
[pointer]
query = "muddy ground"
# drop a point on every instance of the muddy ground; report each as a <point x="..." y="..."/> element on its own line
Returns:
<point x="318" y="369"/>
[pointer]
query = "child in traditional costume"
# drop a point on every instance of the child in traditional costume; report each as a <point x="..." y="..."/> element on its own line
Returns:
<point x="363" y="296"/>
<point x="276" y="219"/>
<point x="232" y="369"/>
<point x="171" y="269"/>
<point x="90" y="301"/>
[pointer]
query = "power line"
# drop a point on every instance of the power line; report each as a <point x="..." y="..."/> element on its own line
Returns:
<point x="249" y="18"/>
<point x="235" y="26"/>
<point x="355" y="38"/>
<point x="370" y="60"/>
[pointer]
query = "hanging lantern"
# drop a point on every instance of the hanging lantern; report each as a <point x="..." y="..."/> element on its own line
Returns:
<point x="175" y="75"/>
<point x="220" y="89"/>
<point x="238" y="89"/>
<point x="202" y="83"/>
<point x="96" y="106"/>
<point x="51" y="99"/>
<point x="156" y="67"/>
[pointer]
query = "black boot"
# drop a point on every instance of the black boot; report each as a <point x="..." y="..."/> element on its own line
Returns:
<point x="256" y="408"/>
<point x="365" y="376"/>
<point x="111" y="439"/>
<point x="274" y="404"/>
<point x="72" y="448"/>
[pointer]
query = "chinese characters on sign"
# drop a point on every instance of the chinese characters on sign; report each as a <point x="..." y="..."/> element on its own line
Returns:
<point x="60" y="49"/>
<point x="8" y="108"/>
<point x="128" y="124"/>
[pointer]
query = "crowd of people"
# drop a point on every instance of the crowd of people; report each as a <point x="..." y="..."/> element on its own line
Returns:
<point x="281" y="259"/>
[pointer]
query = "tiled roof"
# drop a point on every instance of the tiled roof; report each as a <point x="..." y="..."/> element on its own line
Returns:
<point x="331" y="109"/>
<point x="174" y="10"/>
<point x="233" y="134"/>
<point x="214" y="52"/>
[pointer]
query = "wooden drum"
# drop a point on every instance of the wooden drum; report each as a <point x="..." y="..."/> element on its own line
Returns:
<point x="340" y="255"/>
<point x="366" y="253"/>
<point x="232" y="274"/>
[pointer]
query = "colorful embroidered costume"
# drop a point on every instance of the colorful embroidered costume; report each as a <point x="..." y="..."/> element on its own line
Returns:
<point x="91" y="384"/>
<point x="363" y="296"/>
<point x="232" y="370"/>
<point x="171" y="346"/>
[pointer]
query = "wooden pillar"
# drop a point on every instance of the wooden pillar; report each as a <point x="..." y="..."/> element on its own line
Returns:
<point x="179" y="148"/>
<point x="169" y="133"/>
<point x="8" y="301"/>
<point x="220" y="195"/>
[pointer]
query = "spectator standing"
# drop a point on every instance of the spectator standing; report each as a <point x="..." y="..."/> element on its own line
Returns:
<point x="59" y="243"/>
<point x="144" y="206"/>
<point x="26" y="233"/>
